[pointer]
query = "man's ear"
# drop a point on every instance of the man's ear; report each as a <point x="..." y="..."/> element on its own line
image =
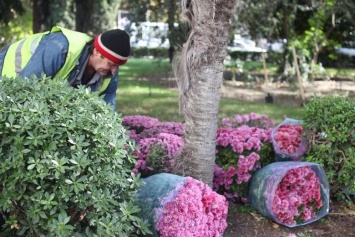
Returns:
<point x="95" y="52"/>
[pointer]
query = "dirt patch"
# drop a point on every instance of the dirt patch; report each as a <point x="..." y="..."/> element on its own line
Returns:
<point x="285" y="93"/>
<point x="339" y="222"/>
<point x="281" y="93"/>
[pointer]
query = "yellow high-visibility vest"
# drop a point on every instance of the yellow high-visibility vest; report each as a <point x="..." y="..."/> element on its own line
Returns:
<point x="19" y="53"/>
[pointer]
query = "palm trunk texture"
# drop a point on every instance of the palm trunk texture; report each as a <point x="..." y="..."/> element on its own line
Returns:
<point x="199" y="73"/>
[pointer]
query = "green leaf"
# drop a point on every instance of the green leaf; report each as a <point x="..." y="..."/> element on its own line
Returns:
<point x="73" y="161"/>
<point x="68" y="181"/>
<point x="11" y="118"/>
<point x="26" y="151"/>
<point x="30" y="167"/>
<point x="43" y="215"/>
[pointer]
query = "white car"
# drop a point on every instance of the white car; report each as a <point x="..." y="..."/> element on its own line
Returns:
<point x="152" y="43"/>
<point x="346" y="51"/>
<point x="242" y="46"/>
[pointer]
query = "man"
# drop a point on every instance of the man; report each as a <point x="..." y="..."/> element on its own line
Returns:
<point x="74" y="56"/>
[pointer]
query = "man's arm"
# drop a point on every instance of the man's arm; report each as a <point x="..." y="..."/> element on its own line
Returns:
<point x="48" y="58"/>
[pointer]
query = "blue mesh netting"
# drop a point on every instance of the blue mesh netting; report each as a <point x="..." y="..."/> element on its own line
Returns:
<point x="150" y="196"/>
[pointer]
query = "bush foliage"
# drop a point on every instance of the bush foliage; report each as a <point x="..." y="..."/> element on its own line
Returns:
<point x="66" y="163"/>
<point x="330" y="122"/>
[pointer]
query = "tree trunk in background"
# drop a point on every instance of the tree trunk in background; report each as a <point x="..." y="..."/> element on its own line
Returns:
<point x="36" y="21"/>
<point x="199" y="72"/>
<point x="171" y="21"/>
<point x="84" y="10"/>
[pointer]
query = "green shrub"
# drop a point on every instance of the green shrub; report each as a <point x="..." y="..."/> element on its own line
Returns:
<point x="330" y="122"/>
<point x="66" y="163"/>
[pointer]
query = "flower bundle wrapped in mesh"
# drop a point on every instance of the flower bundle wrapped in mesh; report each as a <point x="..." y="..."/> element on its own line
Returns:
<point x="291" y="193"/>
<point x="182" y="207"/>
<point x="288" y="141"/>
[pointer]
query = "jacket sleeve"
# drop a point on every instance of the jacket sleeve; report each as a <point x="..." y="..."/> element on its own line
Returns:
<point x="110" y="92"/>
<point x="49" y="57"/>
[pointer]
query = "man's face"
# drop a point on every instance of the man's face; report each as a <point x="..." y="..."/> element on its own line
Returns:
<point x="102" y="65"/>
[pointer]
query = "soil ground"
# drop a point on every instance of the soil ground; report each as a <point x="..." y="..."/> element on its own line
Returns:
<point x="340" y="220"/>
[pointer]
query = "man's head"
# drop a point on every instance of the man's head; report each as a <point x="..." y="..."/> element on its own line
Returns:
<point x="112" y="49"/>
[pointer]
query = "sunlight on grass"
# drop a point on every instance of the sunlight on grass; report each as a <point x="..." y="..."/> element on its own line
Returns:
<point x="160" y="103"/>
<point x="343" y="72"/>
<point x="230" y="107"/>
<point x="136" y="95"/>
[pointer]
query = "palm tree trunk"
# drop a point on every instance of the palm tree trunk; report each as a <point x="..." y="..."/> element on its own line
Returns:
<point x="199" y="71"/>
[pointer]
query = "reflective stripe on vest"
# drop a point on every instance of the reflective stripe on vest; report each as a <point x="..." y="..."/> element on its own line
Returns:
<point x="19" y="53"/>
<point x="104" y="85"/>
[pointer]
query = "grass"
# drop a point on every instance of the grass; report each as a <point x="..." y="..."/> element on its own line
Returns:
<point x="138" y="96"/>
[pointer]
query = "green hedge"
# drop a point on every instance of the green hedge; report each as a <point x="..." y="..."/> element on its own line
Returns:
<point x="330" y="122"/>
<point x="66" y="163"/>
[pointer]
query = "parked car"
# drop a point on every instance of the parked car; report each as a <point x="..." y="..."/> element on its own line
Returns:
<point x="243" y="46"/>
<point x="347" y="51"/>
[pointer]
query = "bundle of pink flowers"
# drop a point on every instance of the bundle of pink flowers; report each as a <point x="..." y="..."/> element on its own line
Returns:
<point x="298" y="196"/>
<point x="288" y="137"/>
<point x="193" y="210"/>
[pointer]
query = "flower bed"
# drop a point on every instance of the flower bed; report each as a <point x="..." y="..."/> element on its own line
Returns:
<point x="182" y="207"/>
<point x="287" y="140"/>
<point x="290" y="193"/>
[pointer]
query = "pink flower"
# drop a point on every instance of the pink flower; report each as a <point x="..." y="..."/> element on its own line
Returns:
<point x="163" y="146"/>
<point x="288" y="137"/>
<point x="251" y="120"/>
<point x="195" y="210"/>
<point x="238" y="148"/>
<point x="298" y="196"/>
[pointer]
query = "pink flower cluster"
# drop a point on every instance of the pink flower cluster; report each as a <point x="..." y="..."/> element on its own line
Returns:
<point x="298" y="196"/>
<point x="288" y="137"/>
<point x="174" y="128"/>
<point x="170" y="145"/>
<point x="243" y="138"/>
<point x="193" y="211"/>
<point x="158" y="142"/>
<point x="237" y="153"/>
<point x="139" y="122"/>
<point x="251" y="120"/>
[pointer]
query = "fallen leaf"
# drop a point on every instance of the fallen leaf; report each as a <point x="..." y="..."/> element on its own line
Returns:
<point x="256" y="216"/>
